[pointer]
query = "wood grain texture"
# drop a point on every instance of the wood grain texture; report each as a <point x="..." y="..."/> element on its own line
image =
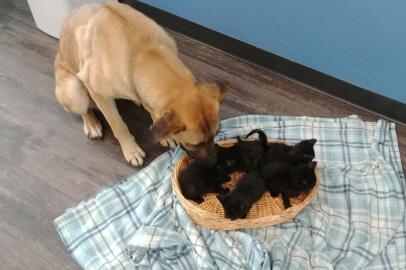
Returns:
<point x="46" y="162"/>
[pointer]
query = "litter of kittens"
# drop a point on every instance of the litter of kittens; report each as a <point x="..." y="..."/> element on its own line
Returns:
<point x="208" y="210"/>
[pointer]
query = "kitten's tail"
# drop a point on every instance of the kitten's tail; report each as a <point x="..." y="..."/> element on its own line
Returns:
<point x="262" y="137"/>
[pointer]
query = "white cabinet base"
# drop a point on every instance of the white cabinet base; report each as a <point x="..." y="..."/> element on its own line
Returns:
<point x="49" y="14"/>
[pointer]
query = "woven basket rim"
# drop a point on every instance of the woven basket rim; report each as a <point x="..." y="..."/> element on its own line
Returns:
<point x="202" y="217"/>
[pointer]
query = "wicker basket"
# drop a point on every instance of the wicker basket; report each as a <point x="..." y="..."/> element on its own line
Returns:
<point x="265" y="212"/>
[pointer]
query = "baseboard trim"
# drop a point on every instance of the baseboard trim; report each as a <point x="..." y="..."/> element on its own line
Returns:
<point x="333" y="86"/>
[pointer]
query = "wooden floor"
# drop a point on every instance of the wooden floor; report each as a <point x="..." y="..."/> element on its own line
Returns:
<point x="46" y="162"/>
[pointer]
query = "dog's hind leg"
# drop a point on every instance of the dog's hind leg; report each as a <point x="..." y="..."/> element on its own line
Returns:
<point x="74" y="97"/>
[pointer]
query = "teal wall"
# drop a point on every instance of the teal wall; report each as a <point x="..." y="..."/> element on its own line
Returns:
<point x="362" y="42"/>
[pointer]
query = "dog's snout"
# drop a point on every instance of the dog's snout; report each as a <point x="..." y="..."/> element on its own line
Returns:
<point x="205" y="154"/>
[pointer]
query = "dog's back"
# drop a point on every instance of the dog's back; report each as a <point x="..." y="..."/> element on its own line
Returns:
<point x="100" y="29"/>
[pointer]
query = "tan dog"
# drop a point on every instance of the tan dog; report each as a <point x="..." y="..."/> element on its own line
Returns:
<point x="113" y="51"/>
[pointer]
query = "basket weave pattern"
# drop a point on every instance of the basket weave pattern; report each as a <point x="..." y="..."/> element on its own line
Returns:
<point x="266" y="211"/>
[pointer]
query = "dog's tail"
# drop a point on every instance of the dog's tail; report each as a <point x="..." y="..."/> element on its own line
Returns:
<point x="262" y="137"/>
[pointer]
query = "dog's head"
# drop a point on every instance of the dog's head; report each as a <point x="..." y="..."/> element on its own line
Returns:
<point x="192" y="120"/>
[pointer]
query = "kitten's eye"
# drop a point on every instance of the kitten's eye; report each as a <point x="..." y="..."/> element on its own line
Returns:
<point x="304" y="182"/>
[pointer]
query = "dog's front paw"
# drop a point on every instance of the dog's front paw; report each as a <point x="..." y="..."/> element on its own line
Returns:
<point x="133" y="153"/>
<point x="168" y="142"/>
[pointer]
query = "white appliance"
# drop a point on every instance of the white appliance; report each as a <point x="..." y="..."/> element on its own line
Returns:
<point x="49" y="14"/>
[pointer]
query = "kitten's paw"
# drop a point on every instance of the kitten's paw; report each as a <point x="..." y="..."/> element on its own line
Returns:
<point x="287" y="206"/>
<point x="286" y="201"/>
<point x="225" y="179"/>
<point x="199" y="200"/>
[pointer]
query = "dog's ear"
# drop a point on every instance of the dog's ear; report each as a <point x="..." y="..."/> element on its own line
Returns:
<point x="217" y="90"/>
<point x="223" y="90"/>
<point x="167" y="125"/>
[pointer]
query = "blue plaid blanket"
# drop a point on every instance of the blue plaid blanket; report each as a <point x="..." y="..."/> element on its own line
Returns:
<point x="357" y="220"/>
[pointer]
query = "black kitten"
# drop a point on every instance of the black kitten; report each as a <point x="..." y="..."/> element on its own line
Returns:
<point x="196" y="181"/>
<point x="302" y="152"/>
<point x="226" y="160"/>
<point x="289" y="180"/>
<point x="249" y="154"/>
<point x="238" y="202"/>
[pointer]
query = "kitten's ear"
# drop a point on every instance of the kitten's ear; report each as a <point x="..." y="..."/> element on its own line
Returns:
<point x="312" y="141"/>
<point x="312" y="165"/>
